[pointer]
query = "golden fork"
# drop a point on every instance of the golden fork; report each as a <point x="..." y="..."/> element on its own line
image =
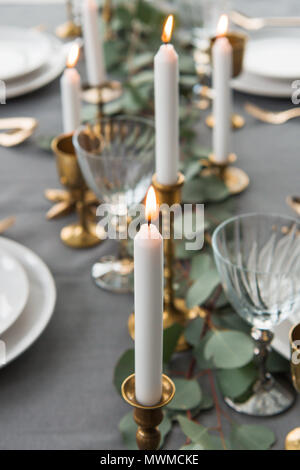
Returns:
<point x="6" y="223"/>
<point x="254" y="24"/>
<point x="272" y="117"/>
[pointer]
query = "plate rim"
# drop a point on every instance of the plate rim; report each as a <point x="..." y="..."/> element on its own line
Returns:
<point x="15" y="317"/>
<point x="39" y="327"/>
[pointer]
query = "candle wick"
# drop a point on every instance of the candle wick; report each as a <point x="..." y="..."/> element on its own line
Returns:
<point x="149" y="221"/>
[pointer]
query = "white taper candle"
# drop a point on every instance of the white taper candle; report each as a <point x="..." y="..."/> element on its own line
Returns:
<point x="166" y="90"/>
<point x="148" y="310"/>
<point x="93" y="46"/>
<point x="70" y="93"/>
<point x="222" y="103"/>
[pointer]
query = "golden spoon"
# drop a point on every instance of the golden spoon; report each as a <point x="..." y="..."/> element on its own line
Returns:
<point x="272" y="117"/>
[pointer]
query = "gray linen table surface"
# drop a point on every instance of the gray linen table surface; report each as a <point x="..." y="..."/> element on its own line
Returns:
<point x="59" y="393"/>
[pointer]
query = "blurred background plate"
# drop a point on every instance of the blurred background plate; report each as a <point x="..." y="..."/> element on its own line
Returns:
<point x="262" y="86"/>
<point x="22" y="51"/>
<point x="53" y="67"/>
<point x="14" y="289"/>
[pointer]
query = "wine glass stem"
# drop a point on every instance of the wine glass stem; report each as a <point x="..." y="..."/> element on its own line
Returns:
<point x="263" y="339"/>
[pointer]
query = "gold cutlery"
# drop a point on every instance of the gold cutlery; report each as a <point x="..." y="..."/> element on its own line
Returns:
<point x="254" y="24"/>
<point x="17" y="130"/>
<point x="294" y="203"/>
<point x="6" y="223"/>
<point x="272" y="117"/>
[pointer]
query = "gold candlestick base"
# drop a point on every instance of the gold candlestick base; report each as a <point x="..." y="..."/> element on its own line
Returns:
<point x="148" y="418"/>
<point x="234" y="178"/>
<point x="68" y="30"/>
<point x="237" y="121"/>
<point x="102" y="94"/>
<point x="82" y="234"/>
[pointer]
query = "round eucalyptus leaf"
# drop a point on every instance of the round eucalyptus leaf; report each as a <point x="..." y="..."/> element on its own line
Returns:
<point x="188" y="395"/>
<point x="251" y="437"/>
<point x="193" y="331"/>
<point x="199" y="292"/>
<point x="235" y="382"/>
<point x="229" y="349"/>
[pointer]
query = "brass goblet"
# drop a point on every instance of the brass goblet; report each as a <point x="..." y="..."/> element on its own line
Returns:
<point x="292" y="441"/>
<point x="84" y="233"/>
<point x="238" y="42"/>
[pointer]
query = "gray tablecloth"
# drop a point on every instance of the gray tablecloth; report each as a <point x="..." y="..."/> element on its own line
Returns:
<point x="59" y="394"/>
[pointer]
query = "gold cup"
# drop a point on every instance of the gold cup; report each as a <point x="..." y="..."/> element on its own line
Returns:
<point x="82" y="234"/>
<point x="292" y="441"/>
<point x="238" y="43"/>
<point x="148" y="418"/>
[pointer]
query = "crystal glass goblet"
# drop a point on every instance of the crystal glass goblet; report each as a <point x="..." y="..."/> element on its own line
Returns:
<point x="116" y="156"/>
<point x="258" y="258"/>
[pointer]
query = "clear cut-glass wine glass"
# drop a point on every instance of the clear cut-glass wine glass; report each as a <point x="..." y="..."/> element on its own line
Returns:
<point x="116" y="157"/>
<point x="258" y="258"/>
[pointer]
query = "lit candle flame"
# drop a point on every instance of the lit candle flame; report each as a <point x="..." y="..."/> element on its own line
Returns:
<point x="222" y="26"/>
<point x="73" y="55"/>
<point x="168" y="29"/>
<point x="151" y="207"/>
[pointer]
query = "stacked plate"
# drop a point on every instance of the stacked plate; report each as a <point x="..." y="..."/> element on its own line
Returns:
<point x="27" y="298"/>
<point x="270" y="64"/>
<point x="28" y="59"/>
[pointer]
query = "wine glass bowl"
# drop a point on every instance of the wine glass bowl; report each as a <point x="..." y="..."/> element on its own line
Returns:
<point x="116" y="156"/>
<point x="258" y="258"/>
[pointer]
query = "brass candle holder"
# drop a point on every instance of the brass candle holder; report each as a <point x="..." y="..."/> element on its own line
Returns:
<point x="108" y="91"/>
<point x="238" y="43"/>
<point x="148" y="418"/>
<point x="292" y="441"/>
<point x="69" y="29"/>
<point x="234" y="178"/>
<point x="175" y="309"/>
<point x="84" y="233"/>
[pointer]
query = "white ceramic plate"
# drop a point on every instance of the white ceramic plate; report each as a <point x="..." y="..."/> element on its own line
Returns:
<point x="261" y="86"/>
<point x="273" y="57"/>
<point x="49" y="72"/>
<point x="22" y="51"/>
<point x="40" y="304"/>
<point x="14" y="290"/>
